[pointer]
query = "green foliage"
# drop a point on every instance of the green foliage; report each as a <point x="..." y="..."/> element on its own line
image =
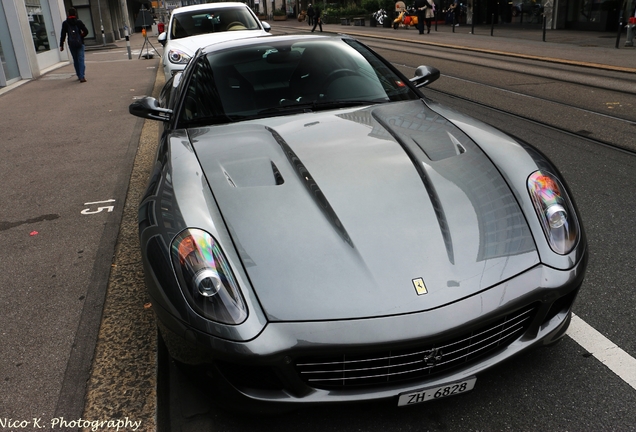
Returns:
<point x="346" y="10"/>
<point x="351" y="9"/>
<point x="279" y="12"/>
<point x="371" y="5"/>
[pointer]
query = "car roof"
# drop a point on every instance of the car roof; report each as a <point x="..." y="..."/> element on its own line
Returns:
<point x="205" y="6"/>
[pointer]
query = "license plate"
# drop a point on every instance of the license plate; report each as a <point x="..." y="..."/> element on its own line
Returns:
<point x="437" y="392"/>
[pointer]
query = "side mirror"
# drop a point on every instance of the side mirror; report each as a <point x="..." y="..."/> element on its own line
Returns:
<point x="266" y="26"/>
<point x="162" y="38"/>
<point x="148" y="107"/>
<point x="424" y="75"/>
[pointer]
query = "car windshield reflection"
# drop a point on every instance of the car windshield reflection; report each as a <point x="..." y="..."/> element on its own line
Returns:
<point x="268" y="79"/>
<point x="198" y="22"/>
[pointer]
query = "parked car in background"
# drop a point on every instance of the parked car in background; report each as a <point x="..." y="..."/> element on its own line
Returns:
<point x="315" y="230"/>
<point x="529" y="7"/>
<point x="191" y="27"/>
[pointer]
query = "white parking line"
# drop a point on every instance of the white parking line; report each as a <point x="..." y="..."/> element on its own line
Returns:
<point x="619" y="362"/>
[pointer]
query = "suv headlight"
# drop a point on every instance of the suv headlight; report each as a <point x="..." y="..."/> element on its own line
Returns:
<point x="555" y="211"/>
<point x="178" y="57"/>
<point x="205" y="277"/>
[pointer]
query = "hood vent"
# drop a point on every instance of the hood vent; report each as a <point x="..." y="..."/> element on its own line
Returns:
<point x="257" y="172"/>
<point x="312" y="187"/>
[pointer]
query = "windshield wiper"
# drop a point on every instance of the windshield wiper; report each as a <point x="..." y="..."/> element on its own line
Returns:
<point x="212" y="120"/>
<point x="316" y="106"/>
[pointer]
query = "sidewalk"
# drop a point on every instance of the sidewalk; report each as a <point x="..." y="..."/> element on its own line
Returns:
<point x="66" y="153"/>
<point x="581" y="48"/>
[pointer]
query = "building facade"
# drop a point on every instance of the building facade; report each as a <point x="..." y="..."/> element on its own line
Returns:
<point x="30" y="32"/>
<point x="593" y="15"/>
<point x="30" y="29"/>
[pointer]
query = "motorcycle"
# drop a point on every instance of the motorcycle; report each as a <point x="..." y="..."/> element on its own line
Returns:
<point x="406" y="18"/>
<point x="380" y="16"/>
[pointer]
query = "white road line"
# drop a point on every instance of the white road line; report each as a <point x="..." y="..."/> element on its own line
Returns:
<point x="617" y="360"/>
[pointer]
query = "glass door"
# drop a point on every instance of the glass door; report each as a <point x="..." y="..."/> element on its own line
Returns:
<point x="42" y="32"/>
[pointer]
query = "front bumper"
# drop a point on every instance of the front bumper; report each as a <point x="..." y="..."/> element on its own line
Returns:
<point x="265" y="370"/>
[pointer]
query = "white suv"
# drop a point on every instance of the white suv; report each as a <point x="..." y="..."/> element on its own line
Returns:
<point x="193" y="27"/>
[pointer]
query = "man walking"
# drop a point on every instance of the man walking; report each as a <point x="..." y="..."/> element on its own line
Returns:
<point x="76" y="32"/>
<point x="310" y="14"/>
<point x="420" y="7"/>
<point x="317" y="19"/>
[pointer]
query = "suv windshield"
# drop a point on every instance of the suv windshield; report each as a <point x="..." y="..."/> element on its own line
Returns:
<point x="211" y="20"/>
<point x="267" y="79"/>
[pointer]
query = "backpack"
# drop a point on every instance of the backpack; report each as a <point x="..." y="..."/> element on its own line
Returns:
<point x="74" y="36"/>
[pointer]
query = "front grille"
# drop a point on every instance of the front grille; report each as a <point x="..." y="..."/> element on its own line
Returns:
<point x="387" y="367"/>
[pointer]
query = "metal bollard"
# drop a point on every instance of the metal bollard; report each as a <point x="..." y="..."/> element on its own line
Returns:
<point x="127" y="42"/>
<point x="544" y="24"/>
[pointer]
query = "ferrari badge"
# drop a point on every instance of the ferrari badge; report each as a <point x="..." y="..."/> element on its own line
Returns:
<point x="420" y="288"/>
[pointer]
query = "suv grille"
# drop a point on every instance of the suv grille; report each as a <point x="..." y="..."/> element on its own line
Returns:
<point x="378" y="368"/>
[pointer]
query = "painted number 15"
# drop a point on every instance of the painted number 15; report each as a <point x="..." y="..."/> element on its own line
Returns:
<point x="89" y="210"/>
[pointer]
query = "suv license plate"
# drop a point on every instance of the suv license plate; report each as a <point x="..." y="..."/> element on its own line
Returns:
<point x="437" y="392"/>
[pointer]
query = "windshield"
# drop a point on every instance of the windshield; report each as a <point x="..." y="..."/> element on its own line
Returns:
<point x="267" y="79"/>
<point x="211" y="20"/>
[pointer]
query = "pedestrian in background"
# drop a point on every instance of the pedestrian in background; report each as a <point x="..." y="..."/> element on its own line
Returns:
<point x="317" y="20"/>
<point x="310" y="14"/>
<point x="430" y="13"/>
<point x="420" y="8"/>
<point x="76" y="32"/>
<point x="450" y="13"/>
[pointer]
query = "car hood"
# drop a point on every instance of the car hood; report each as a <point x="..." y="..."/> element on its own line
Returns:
<point x="191" y="44"/>
<point x="346" y="214"/>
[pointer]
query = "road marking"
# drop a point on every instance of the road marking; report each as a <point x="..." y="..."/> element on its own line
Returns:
<point x="88" y="211"/>
<point x="617" y="360"/>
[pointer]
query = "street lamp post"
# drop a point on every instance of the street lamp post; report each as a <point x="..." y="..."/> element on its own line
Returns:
<point x="101" y="23"/>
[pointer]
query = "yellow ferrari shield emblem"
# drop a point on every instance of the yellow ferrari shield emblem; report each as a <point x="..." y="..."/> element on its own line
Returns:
<point x="420" y="288"/>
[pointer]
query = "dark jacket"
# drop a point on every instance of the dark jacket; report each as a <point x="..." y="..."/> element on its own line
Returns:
<point x="420" y="4"/>
<point x="74" y="22"/>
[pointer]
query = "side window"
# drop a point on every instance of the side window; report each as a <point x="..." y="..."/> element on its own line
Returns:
<point x="201" y="98"/>
<point x="166" y="92"/>
<point x="393" y="85"/>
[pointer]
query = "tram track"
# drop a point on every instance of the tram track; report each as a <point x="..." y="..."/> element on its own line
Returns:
<point x="596" y="109"/>
<point x="581" y="136"/>
<point x="540" y="99"/>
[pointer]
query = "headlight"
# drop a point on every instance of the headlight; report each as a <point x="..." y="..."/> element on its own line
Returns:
<point x="206" y="278"/>
<point x="554" y="210"/>
<point x="178" y="57"/>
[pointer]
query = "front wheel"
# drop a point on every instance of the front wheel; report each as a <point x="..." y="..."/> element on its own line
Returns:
<point x="395" y="26"/>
